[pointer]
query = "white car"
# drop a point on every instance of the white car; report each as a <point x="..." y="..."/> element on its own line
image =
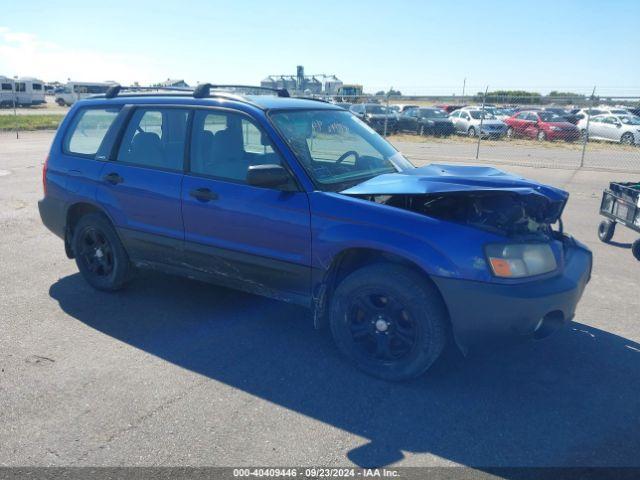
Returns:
<point x="613" y="128"/>
<point x="584" y="113"/>
<point x="467" y="121"/>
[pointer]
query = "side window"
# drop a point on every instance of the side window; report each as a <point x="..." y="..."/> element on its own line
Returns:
<point x="87" y="130"/>
<point x="455" y="114"/>
<point x="466" y="116"/>
<point x="6" y="86"/>
<point x="155" y="138"/>
<point x="225" y="144"/>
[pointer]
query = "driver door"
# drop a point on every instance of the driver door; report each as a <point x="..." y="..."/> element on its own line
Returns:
<point x="253" y="238"/>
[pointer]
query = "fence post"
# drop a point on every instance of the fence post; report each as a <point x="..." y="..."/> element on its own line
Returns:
<point x="15" y="113"/>
<point x="484" y="98"/>
<point x="386" y="114"/>
<point x="586" y="133"/>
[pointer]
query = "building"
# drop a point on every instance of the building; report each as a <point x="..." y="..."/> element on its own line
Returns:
<point x="172" y="82"/>
<point x="301" y="84"/>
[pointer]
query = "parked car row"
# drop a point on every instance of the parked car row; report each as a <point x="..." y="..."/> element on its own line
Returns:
<point x="548" y="123"/>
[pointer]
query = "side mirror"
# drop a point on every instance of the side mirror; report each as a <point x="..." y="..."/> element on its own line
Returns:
<point x="268" y="176"/>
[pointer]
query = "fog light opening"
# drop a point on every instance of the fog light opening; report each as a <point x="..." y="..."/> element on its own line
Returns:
<point x="548" y="324"/>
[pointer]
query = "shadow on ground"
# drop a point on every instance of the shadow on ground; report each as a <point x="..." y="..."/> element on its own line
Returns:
<point x="570" y="400"/>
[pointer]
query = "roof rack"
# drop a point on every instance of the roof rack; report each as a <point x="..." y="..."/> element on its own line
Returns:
<point x="204" y="90"/>
<point x="114" y="90"/>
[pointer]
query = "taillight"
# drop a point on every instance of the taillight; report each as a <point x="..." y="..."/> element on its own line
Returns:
<point x="44" y="175"/>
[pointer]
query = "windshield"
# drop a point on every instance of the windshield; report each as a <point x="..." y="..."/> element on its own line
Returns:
<point x="630" y="120"/>
<point x="336" y="148"/>
<point x="376" y="109"/>
<point x="433" y="113"/>
<point x="550" y="117"/>
<point x="476" y="114"/>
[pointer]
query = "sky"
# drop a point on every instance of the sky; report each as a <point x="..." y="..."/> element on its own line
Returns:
<point x="418" y="47"/>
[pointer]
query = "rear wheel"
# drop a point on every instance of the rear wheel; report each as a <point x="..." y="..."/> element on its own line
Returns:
<point x="389" y="320"/>
<point x="100" y="256"/>
<point x="606" y="229"/>
<point x="635" y="249"/>
<point x="471" y="132"/>
<point x="541" y="136"/>
<point x="627" y="138"/>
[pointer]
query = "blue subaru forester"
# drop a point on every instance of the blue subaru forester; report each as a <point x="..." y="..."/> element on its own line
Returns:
<point x="299" y="200"/>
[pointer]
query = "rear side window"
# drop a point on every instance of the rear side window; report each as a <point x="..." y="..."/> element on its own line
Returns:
<point x="88" y="129"/>
<point x="155" y="138"/>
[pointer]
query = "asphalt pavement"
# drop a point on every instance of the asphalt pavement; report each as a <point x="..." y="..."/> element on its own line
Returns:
<point x="176" y="372"/>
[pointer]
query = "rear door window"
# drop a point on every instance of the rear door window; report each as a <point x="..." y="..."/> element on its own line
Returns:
<point x="155" y="138"/>
<point x="88" y="129"/>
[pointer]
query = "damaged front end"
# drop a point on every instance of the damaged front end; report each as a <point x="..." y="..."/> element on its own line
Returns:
<point x="480" y="197"/>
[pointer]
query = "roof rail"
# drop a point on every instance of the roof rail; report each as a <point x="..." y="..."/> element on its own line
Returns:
<point x="114" y="90"/>
<point x="204" y="90"/>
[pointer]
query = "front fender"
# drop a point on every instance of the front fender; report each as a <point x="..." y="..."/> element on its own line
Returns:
<point x="340" y="222"/>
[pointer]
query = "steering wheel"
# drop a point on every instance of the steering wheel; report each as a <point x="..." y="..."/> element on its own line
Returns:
<point x="345" y="155"/>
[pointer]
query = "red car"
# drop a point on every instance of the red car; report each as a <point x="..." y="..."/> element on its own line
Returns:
<point x="541" y="125"/>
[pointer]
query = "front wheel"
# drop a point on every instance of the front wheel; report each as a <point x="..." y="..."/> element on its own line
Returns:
<point x="471" y="132"/>
<point x="635" y="249"/>
<point x="541" y="136"/>
<point x="389" y="320"/>
<point x="100" y="256"/>
<point x="627" y="139"/>
<point x="510" y="133"/>
<point x="606" y="229"/>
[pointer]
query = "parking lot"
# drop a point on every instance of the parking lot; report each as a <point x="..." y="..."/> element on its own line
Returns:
<point x="176" y="372"/>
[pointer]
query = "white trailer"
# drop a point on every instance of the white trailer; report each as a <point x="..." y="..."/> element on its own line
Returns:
<point x="29" y="91"/>
<point x="7" y="93"/>
<point x="74" y="91"/>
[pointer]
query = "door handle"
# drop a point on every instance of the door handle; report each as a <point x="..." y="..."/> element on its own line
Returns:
<point x="113" y="178"/>
<point x="203" y="194"/>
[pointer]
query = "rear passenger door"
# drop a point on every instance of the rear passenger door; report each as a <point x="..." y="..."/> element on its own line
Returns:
<point x="253" y="238"/>
<point x="140" y="187"/>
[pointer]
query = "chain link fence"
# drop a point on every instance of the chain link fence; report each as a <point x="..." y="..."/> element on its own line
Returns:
<point x="501" y="127"/>
<point x="557" y="130"/>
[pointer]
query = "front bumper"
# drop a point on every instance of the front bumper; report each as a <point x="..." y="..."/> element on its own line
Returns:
<point x="489" y="313"/>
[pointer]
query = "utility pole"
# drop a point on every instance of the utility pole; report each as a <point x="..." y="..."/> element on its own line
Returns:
<point x="464" y="85"/>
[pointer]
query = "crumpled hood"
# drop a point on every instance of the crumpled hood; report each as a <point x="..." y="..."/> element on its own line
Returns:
<point x="437" y="178"/>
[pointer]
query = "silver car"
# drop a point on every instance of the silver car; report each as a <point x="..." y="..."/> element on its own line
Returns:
<point x="613" y="128"/>
<point x="467" y="122"/>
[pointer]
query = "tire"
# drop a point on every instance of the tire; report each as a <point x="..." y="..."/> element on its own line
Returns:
<point x="510" y="133"/>
<point x="471" y="132"/>
<point x="627" y="139"/>
<point x="583" y="135"/>
<point x="99" y="254"/>
<point x="606" y="229"/>
<point x="60" y="102"/>
<point x="541" y="136"/>
<point x="389" y="321"/>
<point x="635" y="249"/>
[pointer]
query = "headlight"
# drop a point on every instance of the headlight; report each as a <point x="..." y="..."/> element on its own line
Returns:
<point x="430" y="122"/>
<point x="555" y="128"/>
<point x="521" y="260"/>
